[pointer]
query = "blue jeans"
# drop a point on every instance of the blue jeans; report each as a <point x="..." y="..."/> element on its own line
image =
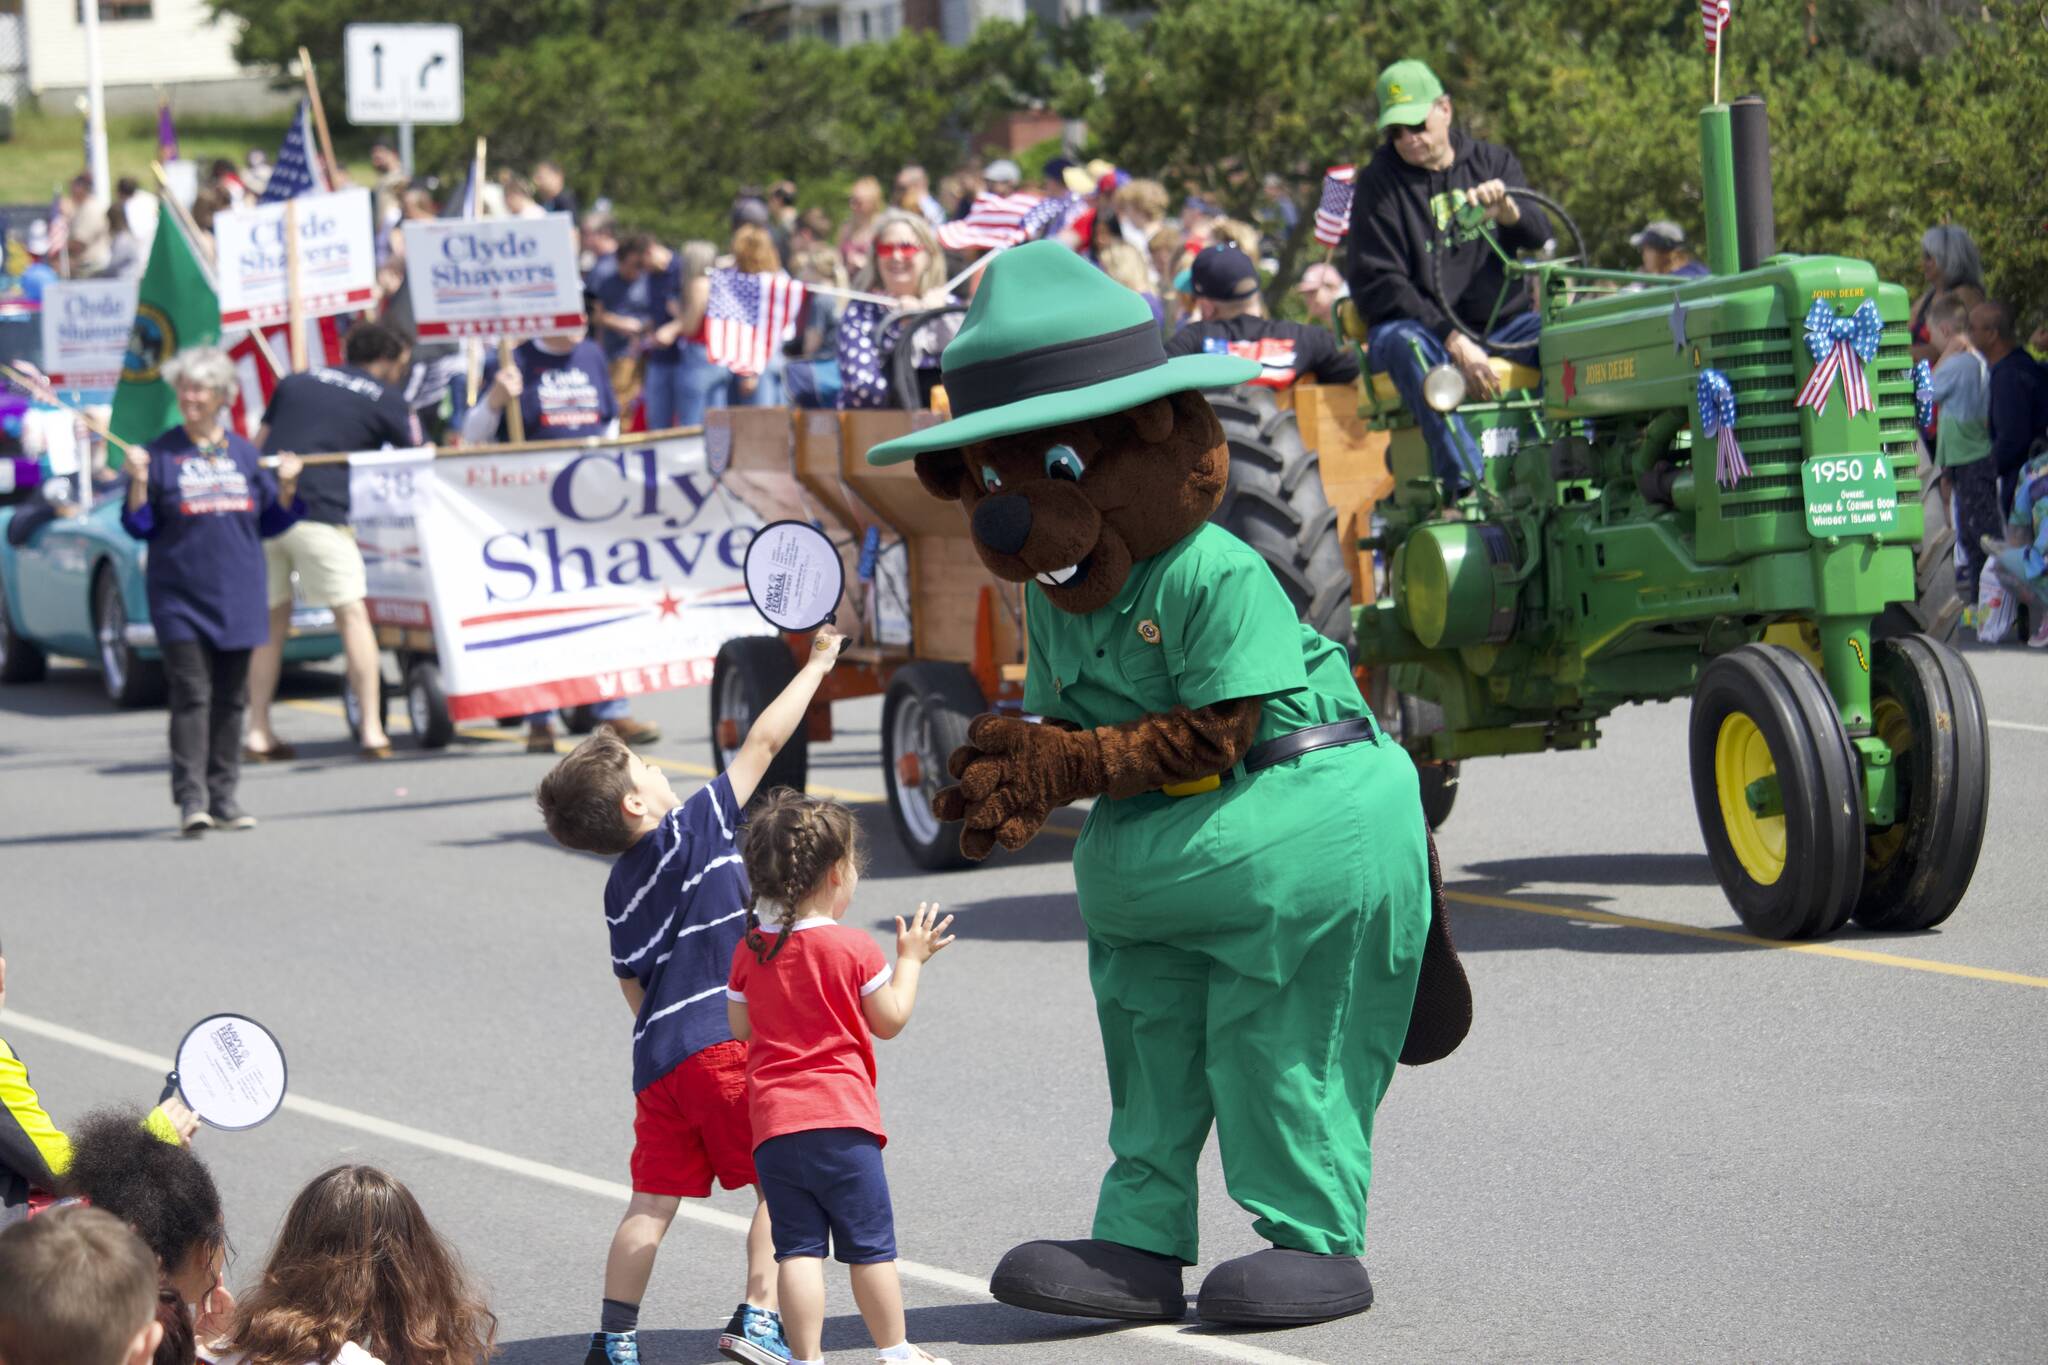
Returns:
<point x="602" y="710"/>
<point x="1404" y="350"/>
<point x="664" y="393"/>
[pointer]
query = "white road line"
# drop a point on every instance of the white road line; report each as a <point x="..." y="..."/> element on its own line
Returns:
<point x="952" y="1281"/>
<point x="2020" y="725"/>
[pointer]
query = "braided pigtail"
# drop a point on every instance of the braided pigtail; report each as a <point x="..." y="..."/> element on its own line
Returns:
<point x="790" y="844"/>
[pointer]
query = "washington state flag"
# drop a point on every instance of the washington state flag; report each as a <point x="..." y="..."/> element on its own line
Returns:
<point x="175" y="308"/>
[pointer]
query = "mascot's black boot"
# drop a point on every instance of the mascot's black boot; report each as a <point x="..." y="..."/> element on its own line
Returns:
<point x="1091" y="1279"/>
<point x="1278" y="1287"/>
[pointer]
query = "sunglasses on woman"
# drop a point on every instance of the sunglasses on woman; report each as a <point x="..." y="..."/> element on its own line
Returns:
<point x="901" y="251"/>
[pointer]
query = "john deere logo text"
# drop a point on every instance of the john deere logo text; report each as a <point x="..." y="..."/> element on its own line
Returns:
<point x="1607" y="371"/>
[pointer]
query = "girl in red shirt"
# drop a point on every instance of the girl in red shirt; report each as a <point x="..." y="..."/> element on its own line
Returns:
<point x="811" y="995"/>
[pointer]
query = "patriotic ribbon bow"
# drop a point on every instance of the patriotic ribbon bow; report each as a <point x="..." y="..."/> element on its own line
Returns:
<point x="1923" y="394"/>
<point x="1841" y="345"/>
<point x="1717" y="419"/>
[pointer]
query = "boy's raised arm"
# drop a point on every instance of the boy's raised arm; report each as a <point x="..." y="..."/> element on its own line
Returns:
<point x="773" y="727"/>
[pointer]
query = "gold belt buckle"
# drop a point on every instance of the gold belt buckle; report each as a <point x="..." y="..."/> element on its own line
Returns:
<point x="1194" y="788"/>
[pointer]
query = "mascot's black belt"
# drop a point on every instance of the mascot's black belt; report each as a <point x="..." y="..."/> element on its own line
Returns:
<point x="1282" y="748"/>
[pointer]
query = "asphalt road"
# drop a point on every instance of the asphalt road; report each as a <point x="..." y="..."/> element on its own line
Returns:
<point x="1662" y="1140"/>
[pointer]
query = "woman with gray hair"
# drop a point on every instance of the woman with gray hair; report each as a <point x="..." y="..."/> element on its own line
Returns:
<point x="200" y="496"/>
<point x="1948" y="259"/>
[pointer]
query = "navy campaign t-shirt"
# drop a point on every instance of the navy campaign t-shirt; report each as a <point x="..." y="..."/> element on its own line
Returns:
<point x="563" y="395"/>
<point x="677" y="905"/>
<point x="326" y="410"/>
<point x="646" y="298"/>
<point x="204" y="516"/>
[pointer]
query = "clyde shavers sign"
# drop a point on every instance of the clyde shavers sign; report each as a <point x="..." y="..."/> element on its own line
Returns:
<point x="85" y="332"/>
<point x="337" y="259"/>
<point x="493" y="278"/>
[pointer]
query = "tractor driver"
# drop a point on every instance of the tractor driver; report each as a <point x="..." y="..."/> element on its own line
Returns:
<point x="1404" y="206"/>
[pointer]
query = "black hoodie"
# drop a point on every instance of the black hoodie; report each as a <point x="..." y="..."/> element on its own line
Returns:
<point x="1393" y="231"/>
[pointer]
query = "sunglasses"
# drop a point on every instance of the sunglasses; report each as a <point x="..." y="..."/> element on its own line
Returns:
<point x="1395" y="130"/>
<point x="897" y="250"/>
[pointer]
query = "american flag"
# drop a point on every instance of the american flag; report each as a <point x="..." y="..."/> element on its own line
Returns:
<point x="1333" y="213"/>
<point x="748" y="317"/>
<point x="1714" y="18"/>
<point x="166" y="133"/>
<point x="298" y="168"/>
<point x="1049" y="216"/>
<point x="993" y="222"/>
<point x="60" y="228"/>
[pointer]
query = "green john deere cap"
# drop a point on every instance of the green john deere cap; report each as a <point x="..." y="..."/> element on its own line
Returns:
<point x="1406" y="91"/>
<point x="1050" y="339"/>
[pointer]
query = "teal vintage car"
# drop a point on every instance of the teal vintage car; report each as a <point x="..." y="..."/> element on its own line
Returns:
<point x="73" y="588"/>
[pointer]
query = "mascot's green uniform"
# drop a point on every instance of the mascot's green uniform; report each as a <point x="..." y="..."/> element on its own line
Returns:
<point x="1257" y="880"/>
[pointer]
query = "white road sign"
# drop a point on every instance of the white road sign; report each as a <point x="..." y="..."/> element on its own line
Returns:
<point x="403" y="73"/>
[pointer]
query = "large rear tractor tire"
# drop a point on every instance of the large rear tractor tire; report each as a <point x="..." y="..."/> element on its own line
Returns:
<point x="1778" y="791"/>
<point x="750" y="673"/>
<point x="1275" y="503"/>
<point x="1925" y="705"/>
<point x="924" y="719"/>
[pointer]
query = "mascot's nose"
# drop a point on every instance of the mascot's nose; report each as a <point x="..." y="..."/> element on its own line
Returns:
<point x="1003" y="523"/>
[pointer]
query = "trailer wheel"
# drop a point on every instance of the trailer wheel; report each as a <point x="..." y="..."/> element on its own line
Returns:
<point x="925" y="716"/>
<point x="1275" y="503"/>
<point x="20" y="660"/>
<point x="129" y="681"/>
<point x="1926" y="706"/>
<point x="352" y="706"/>
<point x="426" y="705"/>
<point x="1764" y="728"/>
<point x="749" y="674"/>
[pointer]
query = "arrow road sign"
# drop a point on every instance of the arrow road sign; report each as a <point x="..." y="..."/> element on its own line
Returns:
<point x="403" y="73"/>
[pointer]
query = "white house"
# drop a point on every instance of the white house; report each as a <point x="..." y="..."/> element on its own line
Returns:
<point x="145" y="45"/>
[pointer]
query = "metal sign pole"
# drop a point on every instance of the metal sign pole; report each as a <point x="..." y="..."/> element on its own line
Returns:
<point x="405" y="129"/>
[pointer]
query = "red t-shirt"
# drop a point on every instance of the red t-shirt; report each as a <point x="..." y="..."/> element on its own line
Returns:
<point x="811" y="1062"/>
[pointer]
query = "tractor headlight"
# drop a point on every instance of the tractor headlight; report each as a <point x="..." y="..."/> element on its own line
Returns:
<point x="1443" y="388"/>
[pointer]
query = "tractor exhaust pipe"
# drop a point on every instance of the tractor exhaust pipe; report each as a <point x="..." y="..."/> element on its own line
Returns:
<point x="1756" y="223"/>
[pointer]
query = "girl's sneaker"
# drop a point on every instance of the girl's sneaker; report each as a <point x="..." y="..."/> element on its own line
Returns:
<point x="613" y="1348"/>
<point x="2039" y="639"/>
<point x="754" y="1337"/>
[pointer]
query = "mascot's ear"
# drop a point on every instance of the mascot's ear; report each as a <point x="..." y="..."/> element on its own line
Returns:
<point x="944" y="475"/>
<point x="1154" y="420"/>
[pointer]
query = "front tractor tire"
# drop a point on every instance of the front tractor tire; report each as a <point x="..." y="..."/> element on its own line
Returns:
<point x="1925" y="705"/>
<point x="1778" y="791"/>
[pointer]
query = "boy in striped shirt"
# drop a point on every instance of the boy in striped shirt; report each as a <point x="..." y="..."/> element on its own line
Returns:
<point x="676" y="905"/>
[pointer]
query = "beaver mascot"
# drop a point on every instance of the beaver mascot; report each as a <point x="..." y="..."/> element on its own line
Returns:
<point x="1256" y="876"/>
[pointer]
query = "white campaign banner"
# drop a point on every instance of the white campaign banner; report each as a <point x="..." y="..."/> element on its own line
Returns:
<point x="337" y="259"/>
<point x="85" y="332"/>
<point x="557" y="577"/>
<point x="493" y="277"/>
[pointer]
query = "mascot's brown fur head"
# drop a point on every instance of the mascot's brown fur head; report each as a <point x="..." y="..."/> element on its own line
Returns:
<point x="1075" y="506"/>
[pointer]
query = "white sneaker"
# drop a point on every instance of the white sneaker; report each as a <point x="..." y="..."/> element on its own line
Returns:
<point x="2039" y="639"/>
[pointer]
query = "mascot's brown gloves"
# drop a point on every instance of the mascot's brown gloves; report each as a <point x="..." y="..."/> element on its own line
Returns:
<point x="1014" y="773"/>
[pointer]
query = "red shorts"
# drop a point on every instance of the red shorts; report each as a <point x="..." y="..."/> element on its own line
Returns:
<point x="692" y="1125"/>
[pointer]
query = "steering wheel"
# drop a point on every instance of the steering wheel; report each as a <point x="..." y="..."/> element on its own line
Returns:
<point x="1474" y="216"/>
<point x="900" y="364"/>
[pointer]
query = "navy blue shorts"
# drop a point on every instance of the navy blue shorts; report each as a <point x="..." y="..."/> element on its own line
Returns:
<point x="827" y="1180"/>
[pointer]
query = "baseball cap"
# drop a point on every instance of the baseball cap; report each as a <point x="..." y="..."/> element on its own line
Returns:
<point x="1223" y="272"/>
<point x="749" y="211"/>
<point x="1002" y="170"/>
<point x="1662" y="235"/>
<point x="1406" y="91"/>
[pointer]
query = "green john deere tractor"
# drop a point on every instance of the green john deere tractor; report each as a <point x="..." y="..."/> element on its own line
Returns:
<point x="1839" y="754"/>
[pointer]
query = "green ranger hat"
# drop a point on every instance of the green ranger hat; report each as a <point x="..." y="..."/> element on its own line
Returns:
<point x="1407" y="89"/>
<point x="1050" y="339"/>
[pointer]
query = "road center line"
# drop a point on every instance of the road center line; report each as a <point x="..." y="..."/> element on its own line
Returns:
<point x="2020" y="725"/>
<point x="952" y="1281"/>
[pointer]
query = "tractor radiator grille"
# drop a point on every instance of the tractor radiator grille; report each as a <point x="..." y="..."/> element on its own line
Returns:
<point x="1761" y="366"/>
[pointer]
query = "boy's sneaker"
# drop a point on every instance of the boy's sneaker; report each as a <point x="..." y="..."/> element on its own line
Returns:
<point x="613" y="1348"/>
<point x="754" y="1337"/>
<point x="194" y="822"/>
<point x="232" y="817"/>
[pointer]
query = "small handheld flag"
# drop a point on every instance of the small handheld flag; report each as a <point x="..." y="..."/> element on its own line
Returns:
<point x="748" y="317"/>
<point x="298" y="170"/>
<point x="1714" y="19"/>
<point x="1333" y="212"/>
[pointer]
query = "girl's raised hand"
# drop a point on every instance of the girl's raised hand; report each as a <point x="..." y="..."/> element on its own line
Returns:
<point x="921" y="938"/>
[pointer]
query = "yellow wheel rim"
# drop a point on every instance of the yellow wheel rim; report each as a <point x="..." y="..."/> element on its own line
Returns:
<point x="1895" y="727"/>
<point x="1741" y="757"/>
